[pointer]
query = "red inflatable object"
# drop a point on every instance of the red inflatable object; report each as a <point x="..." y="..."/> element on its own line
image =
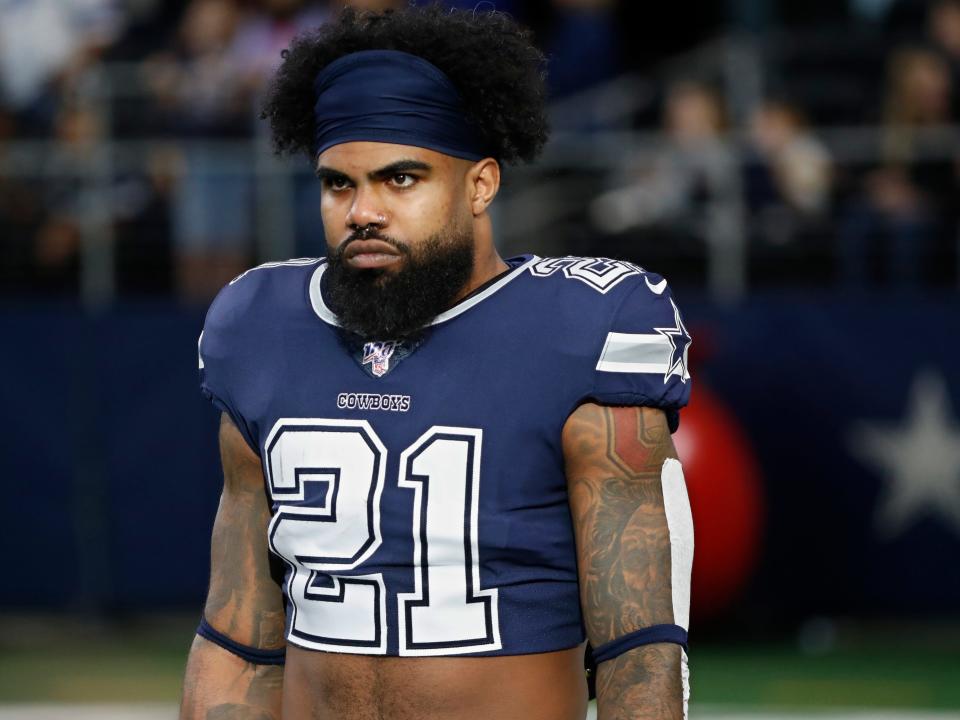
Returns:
<point x="726" y="499"/>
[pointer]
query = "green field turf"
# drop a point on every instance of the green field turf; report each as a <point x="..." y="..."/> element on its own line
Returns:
<point x="44" y="660"/>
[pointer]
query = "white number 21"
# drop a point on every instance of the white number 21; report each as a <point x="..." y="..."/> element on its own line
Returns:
<point x="335" y="471"/>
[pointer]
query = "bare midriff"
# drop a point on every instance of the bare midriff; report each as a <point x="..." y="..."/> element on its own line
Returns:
<point x="333" y="686"/>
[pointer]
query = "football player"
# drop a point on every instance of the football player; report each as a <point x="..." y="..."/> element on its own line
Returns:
<point x="444" y="471"/>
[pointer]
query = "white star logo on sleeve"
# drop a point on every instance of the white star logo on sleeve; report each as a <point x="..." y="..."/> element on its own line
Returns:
<point x="919" y="460"/>
<point x="679" y="343"/>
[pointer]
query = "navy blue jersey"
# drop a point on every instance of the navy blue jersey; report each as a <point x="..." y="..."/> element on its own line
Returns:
<point x="418" y="491"/>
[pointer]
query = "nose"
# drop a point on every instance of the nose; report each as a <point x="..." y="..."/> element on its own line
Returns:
<point x="365" y="210"/>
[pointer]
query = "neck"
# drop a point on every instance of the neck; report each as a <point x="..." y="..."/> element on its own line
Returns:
<point x="487" y="263"/>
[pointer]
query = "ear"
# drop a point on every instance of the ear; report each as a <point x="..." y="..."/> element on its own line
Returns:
<point x="483" y="182"/>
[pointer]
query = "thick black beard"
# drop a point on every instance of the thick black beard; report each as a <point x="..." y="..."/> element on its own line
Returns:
<point x="382" y="305"/>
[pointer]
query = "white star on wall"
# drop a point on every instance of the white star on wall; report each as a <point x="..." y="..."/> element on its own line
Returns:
<point x="918" y="460"/>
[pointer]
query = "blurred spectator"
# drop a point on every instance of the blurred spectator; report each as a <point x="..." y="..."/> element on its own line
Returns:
<point x="670" y="204"/>
<point x="142" y="225"/>
<point x="258" y="45"/>
<point x="918" y="95"/>
<point x="798" y="164"/>
<point x="150" y="27"/>
<point x="908" y="203"/>
<point x="209" y="88"/>
<point x="788" y="182"/>
<point x="263" y="35"/>
<point x="68" y="198"/>
<point x="203" y="91"/>
<point x="21" y="213"/>
<point x="198" y="84"/>
<point x="42" y="40"/>
<point x="943" y="28"/>
<point x="695" y="168"/>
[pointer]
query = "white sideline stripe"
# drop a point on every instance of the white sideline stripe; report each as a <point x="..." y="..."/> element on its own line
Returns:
<point x="168" y="711"/>
<point x="715" y="712"/>
<point x="636" y="353"/>
<point x="89" y="711"/>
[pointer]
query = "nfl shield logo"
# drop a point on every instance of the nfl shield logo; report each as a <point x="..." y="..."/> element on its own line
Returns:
<point x="378" y="354"/>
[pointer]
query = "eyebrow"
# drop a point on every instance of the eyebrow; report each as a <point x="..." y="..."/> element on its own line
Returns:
<point x="401" y="166"/>
<point x="325" y="173"/>
<point x="394" y="168"/>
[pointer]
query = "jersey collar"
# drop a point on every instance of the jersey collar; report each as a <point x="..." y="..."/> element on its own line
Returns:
<point x="326" y="314"/>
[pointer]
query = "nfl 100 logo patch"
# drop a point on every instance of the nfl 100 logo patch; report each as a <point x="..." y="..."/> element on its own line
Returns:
<point x="378" y="354"/>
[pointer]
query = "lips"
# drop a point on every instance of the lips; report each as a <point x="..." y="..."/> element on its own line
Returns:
<point x="363" y="247"/>
<point x="370" y="254"/>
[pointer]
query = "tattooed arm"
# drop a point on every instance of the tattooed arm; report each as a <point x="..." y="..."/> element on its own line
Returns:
<point x="244" y="601"/>
<point x="614" y="457"/>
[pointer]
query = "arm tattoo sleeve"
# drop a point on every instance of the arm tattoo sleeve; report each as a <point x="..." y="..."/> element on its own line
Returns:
<point x="614" y="458"/>
<point x="244" y="600"/>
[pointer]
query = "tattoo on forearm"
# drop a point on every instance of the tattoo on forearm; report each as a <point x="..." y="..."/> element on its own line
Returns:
<point x="614" y="462"/>
<point x="643" y="683"/>
<point x="242" y="601"/>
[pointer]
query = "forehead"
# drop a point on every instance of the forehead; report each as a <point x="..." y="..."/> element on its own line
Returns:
<point x="364" y="157"/>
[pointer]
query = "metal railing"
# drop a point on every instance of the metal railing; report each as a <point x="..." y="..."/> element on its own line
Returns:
<point x="533" y="201"/>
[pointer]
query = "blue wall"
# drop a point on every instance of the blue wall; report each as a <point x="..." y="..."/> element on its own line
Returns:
<point x="110" y="457"/>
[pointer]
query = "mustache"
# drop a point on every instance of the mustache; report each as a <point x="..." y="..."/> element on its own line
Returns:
<point x="370" y="232"/>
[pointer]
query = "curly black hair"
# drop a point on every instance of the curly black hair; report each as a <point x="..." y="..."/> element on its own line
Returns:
<point x="489" y="58"/>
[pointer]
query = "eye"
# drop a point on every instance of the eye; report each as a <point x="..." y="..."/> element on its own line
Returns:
<point x="336" y="184"/>
<point x="403" y="180"/>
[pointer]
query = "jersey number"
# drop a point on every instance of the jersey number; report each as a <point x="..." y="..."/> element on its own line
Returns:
<point x="335" y="471"/>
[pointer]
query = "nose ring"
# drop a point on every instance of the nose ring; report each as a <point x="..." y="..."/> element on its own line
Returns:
<point x="381" y="219"/>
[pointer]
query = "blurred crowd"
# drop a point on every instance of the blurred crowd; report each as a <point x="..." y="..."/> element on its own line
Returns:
<point x="877" y="207"/>
<point x="187" y="76"/>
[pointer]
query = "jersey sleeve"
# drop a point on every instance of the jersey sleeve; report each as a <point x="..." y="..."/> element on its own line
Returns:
<point x="220" y="349"/>
<point x="643" y="358"/>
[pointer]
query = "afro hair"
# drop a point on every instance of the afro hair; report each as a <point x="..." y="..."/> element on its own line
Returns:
<point x="490" y="59"/>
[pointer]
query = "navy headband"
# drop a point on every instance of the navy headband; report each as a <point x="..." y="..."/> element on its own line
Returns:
<point x="392" y="97"/>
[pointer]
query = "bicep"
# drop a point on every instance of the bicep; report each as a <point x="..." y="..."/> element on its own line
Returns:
<point x="244" y="600"/>
<point x="615" y="458"/>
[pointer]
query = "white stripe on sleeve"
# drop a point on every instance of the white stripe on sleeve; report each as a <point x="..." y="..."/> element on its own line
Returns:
<point x="636" y="353"/>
